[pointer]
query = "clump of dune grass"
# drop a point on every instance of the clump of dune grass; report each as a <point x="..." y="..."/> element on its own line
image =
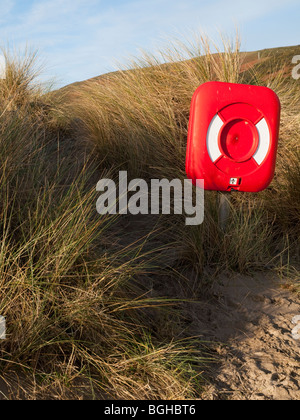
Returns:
<point x="73" y="302"/>
<point x="74" y="312"/>
<point x="19" y="84"/>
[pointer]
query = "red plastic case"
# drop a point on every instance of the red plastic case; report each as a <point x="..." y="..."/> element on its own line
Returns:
<point x="233" y="136"/>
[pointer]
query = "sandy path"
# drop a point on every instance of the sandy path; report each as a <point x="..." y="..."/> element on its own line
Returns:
<point x="251" y="318"/>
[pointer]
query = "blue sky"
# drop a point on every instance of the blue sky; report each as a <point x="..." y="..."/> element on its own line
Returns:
<point x="79" y="39"/>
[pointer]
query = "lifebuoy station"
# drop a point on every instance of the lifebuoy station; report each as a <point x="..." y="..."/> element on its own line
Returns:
<point x="233" y="137"/>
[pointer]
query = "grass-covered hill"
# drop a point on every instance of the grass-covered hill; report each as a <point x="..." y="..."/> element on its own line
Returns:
<point x="94" y="304"/>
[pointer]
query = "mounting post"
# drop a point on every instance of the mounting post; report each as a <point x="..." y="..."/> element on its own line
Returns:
<point x="224" y="209"/>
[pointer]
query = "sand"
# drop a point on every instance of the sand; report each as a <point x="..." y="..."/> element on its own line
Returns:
<point x="250" y="321"/>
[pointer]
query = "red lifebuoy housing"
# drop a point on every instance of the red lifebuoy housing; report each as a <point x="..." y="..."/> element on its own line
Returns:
<point x="233" y="136"/>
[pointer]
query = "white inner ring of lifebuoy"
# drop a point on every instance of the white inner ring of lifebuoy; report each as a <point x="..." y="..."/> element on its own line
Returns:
<point x="213" y="143"/>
